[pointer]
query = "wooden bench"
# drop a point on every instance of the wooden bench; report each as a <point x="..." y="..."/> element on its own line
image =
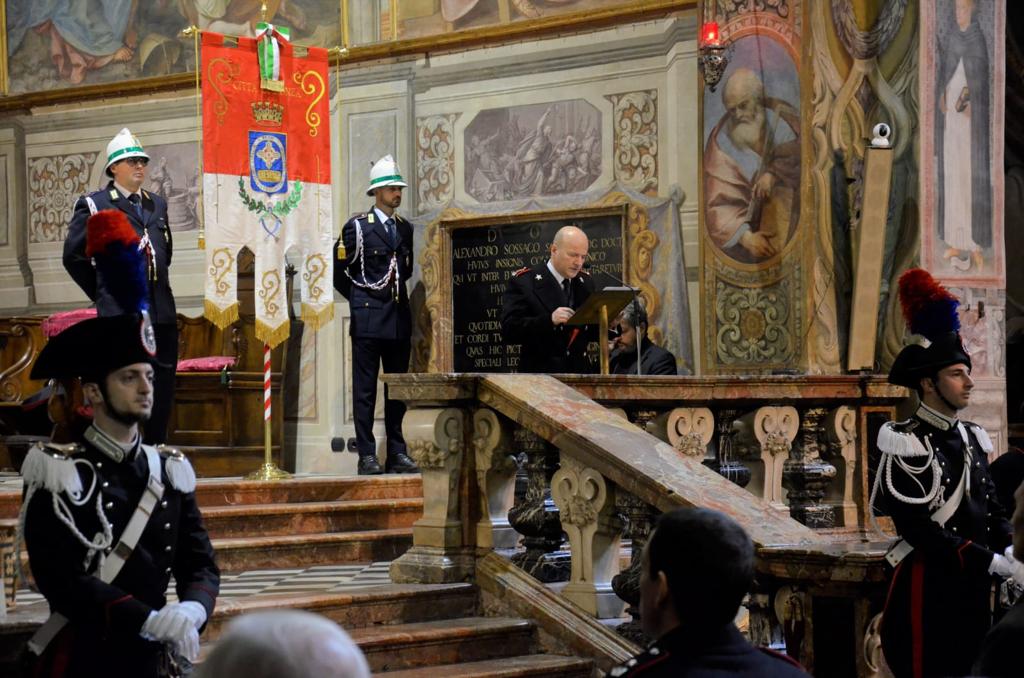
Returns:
<point x="217" y="417"/>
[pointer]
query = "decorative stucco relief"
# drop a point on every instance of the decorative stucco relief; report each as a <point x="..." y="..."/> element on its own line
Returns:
<point x="55" y="183"/>
<point x="636" y="139"/>
<point x="531" y="150"/>
<point x="435" y="160"/>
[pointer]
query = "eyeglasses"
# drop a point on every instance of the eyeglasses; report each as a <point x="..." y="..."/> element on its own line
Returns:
<point x="136" y="162"/>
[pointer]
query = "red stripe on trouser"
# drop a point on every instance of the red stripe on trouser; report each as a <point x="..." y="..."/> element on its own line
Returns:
<point x="917" y="618"/>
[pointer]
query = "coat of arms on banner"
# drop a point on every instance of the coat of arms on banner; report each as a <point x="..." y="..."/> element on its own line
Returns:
<point x="267" y="176"/>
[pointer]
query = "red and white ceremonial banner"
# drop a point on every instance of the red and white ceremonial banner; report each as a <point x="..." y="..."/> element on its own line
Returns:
<point x="267" y="178"/>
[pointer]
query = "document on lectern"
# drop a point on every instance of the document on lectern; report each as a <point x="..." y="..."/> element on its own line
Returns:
<point x="613" y="298"/>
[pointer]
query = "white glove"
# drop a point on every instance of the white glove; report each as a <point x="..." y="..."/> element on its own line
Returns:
<point x="1001" y="565"/>
<point x="1007" y="567"/>
<point x="177" y="623"/>
<point x="1009" y="553"/>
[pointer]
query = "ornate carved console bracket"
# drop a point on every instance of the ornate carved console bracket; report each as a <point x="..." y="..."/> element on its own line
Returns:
<point x="586" y="503"/>
<point x="496" y="478"/>
<point x="439" y="554"/>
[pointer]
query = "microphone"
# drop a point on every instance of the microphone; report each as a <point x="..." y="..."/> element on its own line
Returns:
<point x="587" y="266"/>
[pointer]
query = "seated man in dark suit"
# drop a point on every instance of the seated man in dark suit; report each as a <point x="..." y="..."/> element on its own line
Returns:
<point x="632" y="325"/>
<point x="697" y="566"/>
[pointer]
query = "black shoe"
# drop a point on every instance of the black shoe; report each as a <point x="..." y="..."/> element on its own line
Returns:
<point x="400" y="462"/>
<point x="369" y="466"/>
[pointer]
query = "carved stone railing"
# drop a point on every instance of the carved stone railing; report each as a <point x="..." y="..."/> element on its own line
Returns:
<point x="798" y="445"/>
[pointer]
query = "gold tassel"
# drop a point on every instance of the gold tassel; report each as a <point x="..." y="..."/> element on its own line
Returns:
<point x="272" y="336"/>
<point x="221" y="317"/>
<point x="316" y="318"/>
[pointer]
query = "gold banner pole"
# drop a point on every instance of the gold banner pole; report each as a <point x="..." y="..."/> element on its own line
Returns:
<point x="269" y="470"/>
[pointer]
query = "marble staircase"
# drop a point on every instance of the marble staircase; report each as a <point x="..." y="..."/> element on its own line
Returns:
<point x="404" y="629"/>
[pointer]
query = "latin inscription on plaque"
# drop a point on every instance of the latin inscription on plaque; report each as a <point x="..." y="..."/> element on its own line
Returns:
<point x="485" y="257"/>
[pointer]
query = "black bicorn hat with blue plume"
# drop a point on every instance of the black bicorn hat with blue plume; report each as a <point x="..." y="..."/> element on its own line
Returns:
<point x="93" y="348"/>
<point x="931" y="314"/>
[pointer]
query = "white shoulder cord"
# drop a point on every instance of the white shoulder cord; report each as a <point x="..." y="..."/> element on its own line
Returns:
<point x="885" y="470"/>
<point x="98" y="544"/>
<point x="383" y="282"/>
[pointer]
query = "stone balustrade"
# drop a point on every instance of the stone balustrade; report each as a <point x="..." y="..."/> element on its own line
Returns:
<point x="782" y="455"/>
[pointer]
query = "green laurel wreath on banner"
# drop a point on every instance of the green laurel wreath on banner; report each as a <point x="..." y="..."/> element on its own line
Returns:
<point x="276" y="210"/>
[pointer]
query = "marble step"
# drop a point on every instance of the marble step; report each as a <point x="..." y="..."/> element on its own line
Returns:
<point x="390" y="604"/>
<point x="237" y="492"/>
<point x="377" y="607"/>
<point x="547" y="665"/>
<point x="238" y="554"/>
<point x="448" y="641"/>
<point x="280" y="519"/>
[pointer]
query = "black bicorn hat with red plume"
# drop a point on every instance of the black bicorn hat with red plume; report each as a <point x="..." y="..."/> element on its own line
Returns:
<point x="931" y="314"/>
<point x="93" y="348"/>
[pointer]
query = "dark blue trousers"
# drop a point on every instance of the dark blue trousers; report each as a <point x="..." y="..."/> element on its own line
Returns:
<point x="368" y="356"/>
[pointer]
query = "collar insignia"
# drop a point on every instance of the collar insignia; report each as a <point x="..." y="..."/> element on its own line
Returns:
<point x="539" y="277"/>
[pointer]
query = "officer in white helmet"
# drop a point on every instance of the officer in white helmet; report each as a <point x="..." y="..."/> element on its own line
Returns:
<point x="373" y="263"/>
<point x="147" y="213"/>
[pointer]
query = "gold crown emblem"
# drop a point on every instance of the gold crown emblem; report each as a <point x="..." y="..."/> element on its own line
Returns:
<point x="268" y="112"/>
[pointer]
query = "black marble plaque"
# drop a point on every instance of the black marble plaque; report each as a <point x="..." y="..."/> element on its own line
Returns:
<point x="484" y="257"/>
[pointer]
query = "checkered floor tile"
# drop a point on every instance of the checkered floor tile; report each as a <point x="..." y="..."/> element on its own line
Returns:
<point x="322" y="578"/>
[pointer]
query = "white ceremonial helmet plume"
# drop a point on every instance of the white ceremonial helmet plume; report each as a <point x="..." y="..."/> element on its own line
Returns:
<point x="385" y="172"/>
<point x="124" y="145"/>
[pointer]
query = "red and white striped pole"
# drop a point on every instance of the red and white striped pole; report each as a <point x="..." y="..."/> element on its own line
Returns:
<point x="269" y="470"/>
<point x="266" y="388"/>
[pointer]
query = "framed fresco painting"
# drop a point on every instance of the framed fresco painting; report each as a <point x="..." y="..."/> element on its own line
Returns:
<point x="961" y="142"/>
<point x="54" y="51"/>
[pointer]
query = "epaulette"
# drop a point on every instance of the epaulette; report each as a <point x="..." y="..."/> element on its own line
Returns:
<point x="524" y="269"/>
<point x="50" y="466"/>
<point x="654" y="655"/>
<point x="178" y="468"/>
<point x="897" y="438"/>
<point x="982" y="436"/>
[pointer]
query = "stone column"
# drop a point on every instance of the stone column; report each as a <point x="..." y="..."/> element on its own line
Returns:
<point x="807" y="477"/>
<point x="586" y="503"/>
<point x="841" y="451"/>
<point x="434" y="437"/>
<point x="639" y="520"/>
<point x="536" y="516"/>
<point x="496" y="480"/>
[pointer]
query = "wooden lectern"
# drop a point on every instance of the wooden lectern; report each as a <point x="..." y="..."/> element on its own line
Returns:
<point x="598" y="308"/>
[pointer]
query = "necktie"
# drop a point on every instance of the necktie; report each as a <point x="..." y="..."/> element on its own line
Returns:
<point x="136" y="202"/>
<point x="389" y="228"/>
<point x="567" y="288"/>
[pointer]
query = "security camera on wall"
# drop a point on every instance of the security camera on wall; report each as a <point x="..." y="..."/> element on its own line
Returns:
<point x="882" y="136"/>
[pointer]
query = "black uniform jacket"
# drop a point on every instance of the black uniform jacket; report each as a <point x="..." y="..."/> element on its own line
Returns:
<point x="938" y="606"/>
<point x="531" y="296"/>
<point x="718" y="653"/>
<point x="656" y="360"/>
<point x="102" y="636"/>
<point x="376" y="314"/>
<point x="154" y="222"/>
<point x="1001" y="652"/>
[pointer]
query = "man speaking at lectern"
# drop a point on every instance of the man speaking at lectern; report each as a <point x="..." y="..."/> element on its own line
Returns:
<point x="539" y="301"/>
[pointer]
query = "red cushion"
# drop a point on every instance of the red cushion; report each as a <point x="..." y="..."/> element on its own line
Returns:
<point x="213" y="363"/>
<point x="58" y="322"/>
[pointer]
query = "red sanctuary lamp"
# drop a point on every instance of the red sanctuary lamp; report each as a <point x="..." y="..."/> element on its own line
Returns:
<point x="712" y="58"/>
<point x="710" y="37"/>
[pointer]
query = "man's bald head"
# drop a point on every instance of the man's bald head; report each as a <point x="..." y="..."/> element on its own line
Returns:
<point x="569" y="251"/>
